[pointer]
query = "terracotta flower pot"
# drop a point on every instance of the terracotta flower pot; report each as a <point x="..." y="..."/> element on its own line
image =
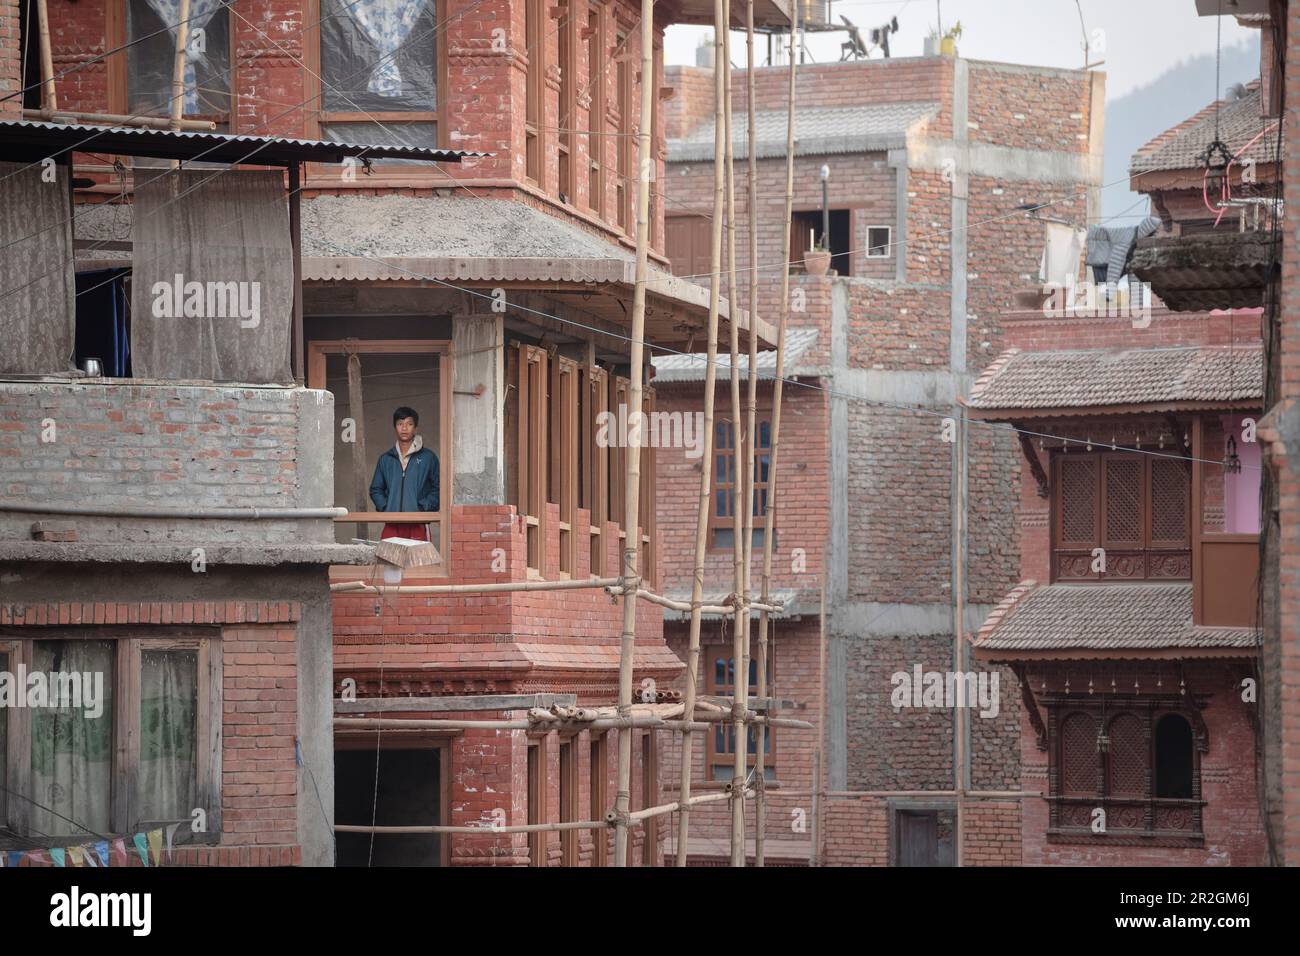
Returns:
<point x="816" y="262"/>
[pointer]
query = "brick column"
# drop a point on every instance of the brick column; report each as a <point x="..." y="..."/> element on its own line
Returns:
<point x="10" y="60"/>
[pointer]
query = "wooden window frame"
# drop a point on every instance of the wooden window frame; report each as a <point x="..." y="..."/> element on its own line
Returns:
<point x="538" y="778"/>
<point x="598" y="796"/>
<point x="124" y="797"/>
<point x="317" y="353"/>
<point x="595" y="494"/>
<point x="620" y="391"/>
<point x="624" y="85"/>
<point x="1070" y="814"/>
<point x="717" y="522"/>
<point x="568" y="783"/>
<point x="712" y="756"/>
<point x="1161" y="560"/>
<point x="118" y="66"/>
<point x="533" y="452"/>
<point x="567" y="34"/>
<point x="315" y="116"/>
<point x="649" y="793"/>
<point x="563" y="455"/>
<point x="535" y="91"/>
<point x="647" y="566"/>
<point x="596" y="118"/>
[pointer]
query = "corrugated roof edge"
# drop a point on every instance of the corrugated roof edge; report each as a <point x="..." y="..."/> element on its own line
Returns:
<point x="28" y="136"/>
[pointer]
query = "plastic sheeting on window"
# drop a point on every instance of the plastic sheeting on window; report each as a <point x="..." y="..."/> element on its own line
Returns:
<point x="378" y="55"/>
<point x="212" y="284"/>
<point x="151" y="59"/>
<point x="370" y="133"/>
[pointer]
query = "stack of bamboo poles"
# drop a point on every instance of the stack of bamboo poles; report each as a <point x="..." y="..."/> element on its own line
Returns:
<point x="691" y="716"/>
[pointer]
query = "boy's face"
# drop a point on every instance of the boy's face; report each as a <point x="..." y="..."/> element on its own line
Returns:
<point x="405" y="428"/>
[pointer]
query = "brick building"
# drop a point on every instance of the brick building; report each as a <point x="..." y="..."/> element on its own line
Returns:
<point x="492" y="296"/>
<point x="928" y="161"/>
<point x="1134" y="631"/>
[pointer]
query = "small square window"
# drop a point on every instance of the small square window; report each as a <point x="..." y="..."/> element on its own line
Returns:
<point x="879" y="242"/>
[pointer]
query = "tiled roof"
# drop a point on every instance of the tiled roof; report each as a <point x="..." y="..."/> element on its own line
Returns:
<point x="817" y="131"/>
<point x="690" y="367"/>
<point x="1239" y="122"/>
<point x="1101" y="377"/>
<point x="1103" y="617"/>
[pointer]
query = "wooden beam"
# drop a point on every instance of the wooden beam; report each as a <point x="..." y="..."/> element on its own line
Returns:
<point x="388" y="705"/>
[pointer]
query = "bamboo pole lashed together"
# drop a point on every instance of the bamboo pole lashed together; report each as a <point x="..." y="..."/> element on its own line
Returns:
<point x="49" y="99"/>
<point x="632" y="484"/>
<point x="740" y="444"/>
<point x="769" y="520"/>
<point x="706" y="472"/>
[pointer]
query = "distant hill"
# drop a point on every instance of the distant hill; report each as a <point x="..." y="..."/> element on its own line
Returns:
<point x="1135" y="118"/>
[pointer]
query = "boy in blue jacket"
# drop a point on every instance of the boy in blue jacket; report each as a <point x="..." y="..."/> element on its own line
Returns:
<point x="406" y="477"/>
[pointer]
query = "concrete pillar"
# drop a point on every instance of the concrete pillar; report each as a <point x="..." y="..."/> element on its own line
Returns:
<point x="478" y="433"/>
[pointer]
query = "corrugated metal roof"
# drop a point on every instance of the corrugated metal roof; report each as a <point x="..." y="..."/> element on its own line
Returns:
<point x="1102" y="377"/>
<point x="690" y="367"/>
<point x="817" y="131"/>
<point x="25" y="139"/>
<point x="1105" y="617"/>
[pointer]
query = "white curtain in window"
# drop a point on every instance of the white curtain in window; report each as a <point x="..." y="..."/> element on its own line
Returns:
<point x="72" y="753"/>
<point x="169" y="708"/>
<point x="201" y="13"/>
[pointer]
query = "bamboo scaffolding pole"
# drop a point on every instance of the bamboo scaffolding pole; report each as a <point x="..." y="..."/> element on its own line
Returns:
<point x="118" y="119"/>
<point x="706" y="473"/>
<point x="769" y="522"/>
<point x="638" y="815"/>
<point x="361" y="587"/>
<point x="49" y="99"/>
<point x="749" y="471"/>
<point x="178" y="64"/>
<point x="632" y="483"/>
<point x="451" y="723"/>
<point x="484" y="831"/>
<point x="740" y="443"/>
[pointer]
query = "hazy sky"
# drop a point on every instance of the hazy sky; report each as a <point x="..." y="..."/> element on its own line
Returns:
<point x="1143" y="38"/>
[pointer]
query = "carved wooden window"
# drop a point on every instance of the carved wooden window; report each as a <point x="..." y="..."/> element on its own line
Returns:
<point x="1121" y="516"/>
<point x="1124" y="771"/>
<point x="625" y="142"/>
<point x="563" y="485"/>
<point x="534" y="88"/>
<point x="594" y="468"/>
<point x="596" y="141"/>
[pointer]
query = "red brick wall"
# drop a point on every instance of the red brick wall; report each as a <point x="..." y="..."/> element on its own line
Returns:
<point x="857" y="831"/>
<point x="803" y="489"/>
<point x="259" y="775"/>
<point x="11" y="80"/>
<point x="483" y="94"/>
<point x="1027" y="108"/>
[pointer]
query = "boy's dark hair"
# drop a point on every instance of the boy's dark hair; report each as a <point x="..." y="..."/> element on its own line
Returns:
<point x="405" y="412"/>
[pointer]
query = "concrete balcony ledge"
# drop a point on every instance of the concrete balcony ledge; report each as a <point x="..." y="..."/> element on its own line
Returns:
<point x="74" y="552"/>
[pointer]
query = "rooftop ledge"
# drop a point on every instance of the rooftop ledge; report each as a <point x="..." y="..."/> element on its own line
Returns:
<point x="64" y="552"/>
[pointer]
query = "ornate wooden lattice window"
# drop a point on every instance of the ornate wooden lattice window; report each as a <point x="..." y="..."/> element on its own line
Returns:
<point x="1135" y="508"/>
<point x="1125" y="772"/>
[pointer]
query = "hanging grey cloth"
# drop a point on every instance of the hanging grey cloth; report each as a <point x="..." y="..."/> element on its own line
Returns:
<point x="213" y="277"/>
<point x="1111" y="247"/>
<point x="37" y="285"/>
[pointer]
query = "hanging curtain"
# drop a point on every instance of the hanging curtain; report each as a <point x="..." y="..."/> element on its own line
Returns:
<point x="169" y="714"/>
<point x="72" y="753"/>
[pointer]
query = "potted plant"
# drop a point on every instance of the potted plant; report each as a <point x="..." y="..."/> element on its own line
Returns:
<point x="948" y="44"/>
<point x="817" y="260"/>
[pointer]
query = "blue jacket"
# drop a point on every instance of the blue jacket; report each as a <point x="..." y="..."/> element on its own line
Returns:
<point x="415" y="489"/>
